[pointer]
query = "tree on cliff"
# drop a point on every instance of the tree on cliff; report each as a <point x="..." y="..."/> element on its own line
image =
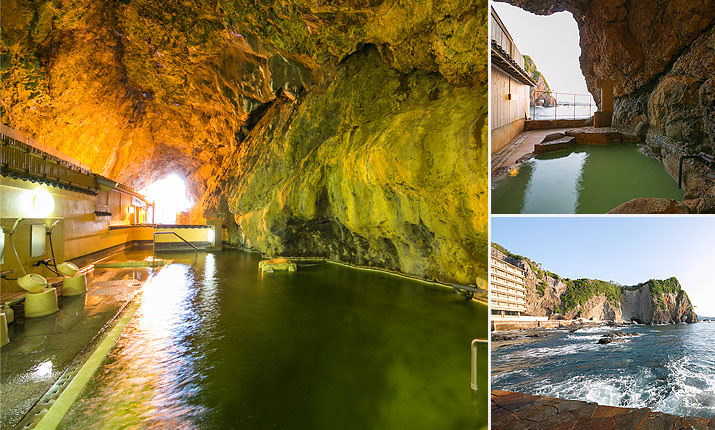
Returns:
<point x="541" y="95"/>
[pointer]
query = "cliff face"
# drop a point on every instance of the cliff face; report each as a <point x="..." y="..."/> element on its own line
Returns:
<point x="652" y="302"/>
<point x="541" y="94"/>
<point x="354" y="130"/>
<point x="660" y="57"/>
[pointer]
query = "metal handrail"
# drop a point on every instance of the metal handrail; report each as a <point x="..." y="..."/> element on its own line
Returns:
<point x="555" y="95"/>
<point x="475" y="343"/>
<point x="153" y="244"/>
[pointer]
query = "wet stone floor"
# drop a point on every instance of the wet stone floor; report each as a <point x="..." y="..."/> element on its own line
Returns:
<point x="41" y="349"/>
<point x="521" y="411"/>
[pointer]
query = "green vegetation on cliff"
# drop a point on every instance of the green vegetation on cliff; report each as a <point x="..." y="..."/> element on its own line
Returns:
<point x="540" y="288"/>
<point x="579" y="291"/>
<point x="667" y="286"/>
<point x="535" y="74"/>
<point x="659" y="287"/>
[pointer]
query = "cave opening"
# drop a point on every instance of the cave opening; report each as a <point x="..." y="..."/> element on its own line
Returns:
<point x="169" y="199"/>
<point x="550" y="46"/>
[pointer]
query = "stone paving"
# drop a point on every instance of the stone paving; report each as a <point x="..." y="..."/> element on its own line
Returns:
<point x="41" y="349"/>
<point x="520" y="147"/>
<point x="519" y="411"/>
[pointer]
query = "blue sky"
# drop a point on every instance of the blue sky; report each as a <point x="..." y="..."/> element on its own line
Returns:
<point x="551" y="41"/>
<point x="628" y="250"/>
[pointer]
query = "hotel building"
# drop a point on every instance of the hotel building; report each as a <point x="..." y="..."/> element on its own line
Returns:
<point x="507" y="290"/>
<point x="510" y="85"/>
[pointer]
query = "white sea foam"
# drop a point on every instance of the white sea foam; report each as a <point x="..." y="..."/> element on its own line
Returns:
<point x="693" y="388"/>
<point x="621" y="390"/>
<point x="672" y="369"/>
<point x="597" y="329"/>
<point x="584" y="338"/>
<point x="560" y="350"/>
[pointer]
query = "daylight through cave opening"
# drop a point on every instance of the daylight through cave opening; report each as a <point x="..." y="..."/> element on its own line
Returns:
<point x="169" y="200"/>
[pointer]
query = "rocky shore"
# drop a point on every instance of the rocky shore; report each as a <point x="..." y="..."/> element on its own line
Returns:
<point x="507" y="337"/>
<point x="512" y="410"/>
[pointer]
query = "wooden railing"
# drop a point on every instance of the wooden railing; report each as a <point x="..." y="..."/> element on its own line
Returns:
<point x="19" y="159"/>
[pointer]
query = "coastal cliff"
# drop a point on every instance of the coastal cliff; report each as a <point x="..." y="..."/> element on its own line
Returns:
<point x="651" y="302"/>
<point x="541" y="95"/>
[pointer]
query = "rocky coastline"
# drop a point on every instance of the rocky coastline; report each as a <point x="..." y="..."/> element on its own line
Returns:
<point x="591" y="300"/>
<point x="519" y="410"/>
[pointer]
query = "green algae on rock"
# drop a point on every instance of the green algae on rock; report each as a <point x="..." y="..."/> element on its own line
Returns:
<point x="375" y="168"/>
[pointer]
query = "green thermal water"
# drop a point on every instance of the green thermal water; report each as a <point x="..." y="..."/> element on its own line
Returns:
<point x="216" y="345"/>
<point x="586" y="179"/>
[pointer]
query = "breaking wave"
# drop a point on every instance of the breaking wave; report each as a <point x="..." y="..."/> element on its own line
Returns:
<point x="668" y="368"/>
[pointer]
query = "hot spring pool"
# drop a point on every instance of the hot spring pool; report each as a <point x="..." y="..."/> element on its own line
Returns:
<point x="216" y="345"/>
<point x="589" y="179"/>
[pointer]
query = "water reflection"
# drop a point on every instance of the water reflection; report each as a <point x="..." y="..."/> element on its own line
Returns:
<point x="547" y="175"/>
<point x="42" y="370"/>
<point x="585" y="179"/>
<point x="217" y="346"/>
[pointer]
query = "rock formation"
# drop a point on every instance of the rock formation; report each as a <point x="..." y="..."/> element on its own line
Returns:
<point x="660" y="57"/>
<point x="541" y="95"/>
<point x="354" y="130"/>
<point x="651" y="302"/>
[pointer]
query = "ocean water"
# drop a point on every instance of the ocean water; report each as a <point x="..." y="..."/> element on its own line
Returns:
<point x="669" y="368"/>
<point x="563" y="112"/>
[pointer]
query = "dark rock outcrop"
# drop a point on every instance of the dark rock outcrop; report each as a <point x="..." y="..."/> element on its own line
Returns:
<point x="616" y="336"/>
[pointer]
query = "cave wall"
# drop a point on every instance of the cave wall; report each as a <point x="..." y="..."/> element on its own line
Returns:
<point x="107" y="81"/>
<point x="660" y="57"/>
<point x="178" y="81"/>
<point x="267" y="111"/>
<point x="378" y="168"/>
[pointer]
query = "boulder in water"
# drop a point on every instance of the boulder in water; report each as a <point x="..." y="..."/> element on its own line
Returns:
<point x="615" y="337"/>
<point x="500" y="337"/>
